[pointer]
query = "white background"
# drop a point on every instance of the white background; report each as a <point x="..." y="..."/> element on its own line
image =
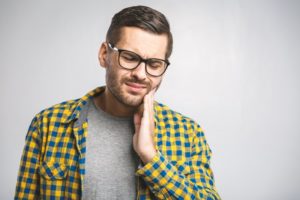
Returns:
<point x="235" y="69"/>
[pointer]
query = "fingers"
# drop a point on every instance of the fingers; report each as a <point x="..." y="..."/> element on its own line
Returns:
<point x="148" y="103"/>
<point x="149" y="110"/>
<point x="146" y="106"/>
<point x="144" y="127"/>
<point x="145" y="113"/>
<point x="152" y="92"/>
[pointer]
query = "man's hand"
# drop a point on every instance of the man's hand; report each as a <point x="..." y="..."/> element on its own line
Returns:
<point x="143" y="141"/>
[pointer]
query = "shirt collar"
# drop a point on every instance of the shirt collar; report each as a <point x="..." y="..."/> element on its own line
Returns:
<point x="78" y="112"/>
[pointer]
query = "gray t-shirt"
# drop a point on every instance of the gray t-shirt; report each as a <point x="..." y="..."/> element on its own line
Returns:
<point x="110" y="159"/>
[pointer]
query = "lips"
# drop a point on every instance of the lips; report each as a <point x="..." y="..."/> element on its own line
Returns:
<point x="135" y="87"/>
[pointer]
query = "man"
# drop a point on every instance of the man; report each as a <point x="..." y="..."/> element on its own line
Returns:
<point x="117" y="142"/>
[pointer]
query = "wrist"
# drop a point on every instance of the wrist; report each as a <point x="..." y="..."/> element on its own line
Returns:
<point x="147" y="156"/>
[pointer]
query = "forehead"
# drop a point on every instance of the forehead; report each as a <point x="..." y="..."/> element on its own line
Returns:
<point x="144" y="43"/>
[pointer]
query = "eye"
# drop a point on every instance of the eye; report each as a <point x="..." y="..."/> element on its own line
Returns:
<point x="129" y="57"/>
<point x="155" y="64"/>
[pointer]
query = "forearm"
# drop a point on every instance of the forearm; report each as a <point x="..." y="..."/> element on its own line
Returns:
<point x="167" y="181"/>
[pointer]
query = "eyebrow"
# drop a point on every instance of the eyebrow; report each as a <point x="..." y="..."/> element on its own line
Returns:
<point x="136" y="50"/>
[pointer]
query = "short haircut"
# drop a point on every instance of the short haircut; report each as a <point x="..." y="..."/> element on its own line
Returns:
<point x="142" y="17"/>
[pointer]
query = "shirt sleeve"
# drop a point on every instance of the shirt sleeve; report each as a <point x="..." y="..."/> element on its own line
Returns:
<point x="191" y="180"/>
<point x="27" y="186"/>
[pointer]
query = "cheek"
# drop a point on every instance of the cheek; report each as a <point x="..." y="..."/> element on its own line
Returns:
<point x="155" y="83"/>
<point x="116" y="76"/>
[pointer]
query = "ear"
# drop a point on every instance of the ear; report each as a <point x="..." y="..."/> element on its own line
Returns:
<point x="103" y="55"/>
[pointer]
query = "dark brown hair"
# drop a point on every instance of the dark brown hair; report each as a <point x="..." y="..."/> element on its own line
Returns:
<point x="142" y="17"/>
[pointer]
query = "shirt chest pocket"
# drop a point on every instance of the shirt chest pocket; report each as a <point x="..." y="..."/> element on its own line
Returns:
<point x="53" y="180"/>
<point x="53" y="170"/>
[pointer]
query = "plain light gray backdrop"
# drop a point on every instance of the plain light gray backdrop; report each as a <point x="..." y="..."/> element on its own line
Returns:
<point x="235" y="69"/>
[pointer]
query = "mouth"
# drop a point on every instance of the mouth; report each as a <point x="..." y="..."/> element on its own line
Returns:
<point x="135" y="87"/>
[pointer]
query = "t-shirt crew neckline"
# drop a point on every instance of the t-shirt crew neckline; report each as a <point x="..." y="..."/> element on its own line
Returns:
<point x="107" y="115"/>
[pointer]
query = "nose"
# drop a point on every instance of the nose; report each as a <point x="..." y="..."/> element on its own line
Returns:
<point x="140" y="72"/>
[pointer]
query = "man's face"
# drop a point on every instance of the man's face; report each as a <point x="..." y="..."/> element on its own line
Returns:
<point x="130" y="86"/>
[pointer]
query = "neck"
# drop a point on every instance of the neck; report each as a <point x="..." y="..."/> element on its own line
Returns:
<point x="109" y="104"/>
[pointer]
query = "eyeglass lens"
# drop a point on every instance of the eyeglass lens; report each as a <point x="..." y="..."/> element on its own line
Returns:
<point x="131" y="60"/>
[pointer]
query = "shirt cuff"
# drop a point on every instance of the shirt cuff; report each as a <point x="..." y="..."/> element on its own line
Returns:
<point x="157" y="173"/>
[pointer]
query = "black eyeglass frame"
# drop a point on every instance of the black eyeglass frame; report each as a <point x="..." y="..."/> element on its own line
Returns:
<point x="140" y="60"/>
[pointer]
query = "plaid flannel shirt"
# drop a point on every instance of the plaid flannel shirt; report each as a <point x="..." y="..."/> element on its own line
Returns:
<point x="53" y="160"/>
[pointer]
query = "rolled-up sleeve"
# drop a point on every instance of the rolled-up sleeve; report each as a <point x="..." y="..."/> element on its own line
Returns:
<point x="191" y="180"/>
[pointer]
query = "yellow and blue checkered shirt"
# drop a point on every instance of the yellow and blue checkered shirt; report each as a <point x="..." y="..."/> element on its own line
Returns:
<point x="53" y="160"/>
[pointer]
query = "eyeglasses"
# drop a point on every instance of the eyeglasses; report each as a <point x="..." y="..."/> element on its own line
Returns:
<point x="130" y="60"/>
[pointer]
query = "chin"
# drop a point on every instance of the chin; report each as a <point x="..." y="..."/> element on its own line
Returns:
<point x="133" y="99"/>
<point x="132" y="102"/>
<point x="128" y="98"/>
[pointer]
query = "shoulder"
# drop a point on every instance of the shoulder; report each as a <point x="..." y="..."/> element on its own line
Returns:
<point x="170" y="116"/>
<point x="51" y="117"/>
<point x="176" y="124"/>
<point x="68" y="110"/>
<point x="58" y="112"/>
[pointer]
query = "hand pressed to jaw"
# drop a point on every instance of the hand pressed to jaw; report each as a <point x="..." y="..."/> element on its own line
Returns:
<point x="143" y="141"/>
